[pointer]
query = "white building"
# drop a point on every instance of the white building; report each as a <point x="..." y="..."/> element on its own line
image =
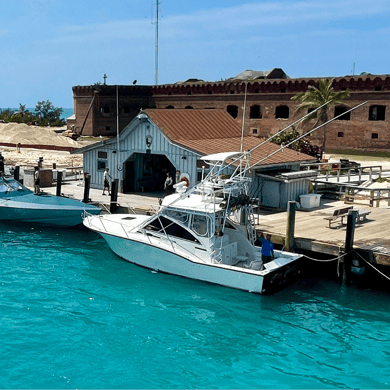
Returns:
<point x="161" y="141"/>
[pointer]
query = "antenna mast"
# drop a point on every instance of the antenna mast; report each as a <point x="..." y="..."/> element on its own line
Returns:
<point x="156" y="55"/>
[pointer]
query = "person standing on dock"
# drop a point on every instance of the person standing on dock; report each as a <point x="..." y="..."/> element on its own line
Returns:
<point x="107" y="180"/>
<point x="267" y="248"/>
<point x="37" y="188"/>
<point x="168" y="185"/>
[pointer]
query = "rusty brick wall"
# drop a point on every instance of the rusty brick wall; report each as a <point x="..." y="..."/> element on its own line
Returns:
<point x="269" y="94"/>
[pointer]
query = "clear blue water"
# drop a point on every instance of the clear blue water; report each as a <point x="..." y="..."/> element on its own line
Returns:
<point x="73" y="315"/>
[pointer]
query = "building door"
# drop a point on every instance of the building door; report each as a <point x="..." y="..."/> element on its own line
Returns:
<point x="147" y="172"/>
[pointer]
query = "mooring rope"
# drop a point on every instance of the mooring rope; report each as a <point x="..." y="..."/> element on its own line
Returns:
<point x="376" y="269"/>
<point x="328" y="260"/>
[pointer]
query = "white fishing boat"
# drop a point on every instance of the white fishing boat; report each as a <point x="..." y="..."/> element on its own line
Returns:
<point x="19" y="204"/>
<point x="205" y="233"/>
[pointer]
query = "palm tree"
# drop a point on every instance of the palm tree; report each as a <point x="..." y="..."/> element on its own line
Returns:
<point x="316" y="97"/>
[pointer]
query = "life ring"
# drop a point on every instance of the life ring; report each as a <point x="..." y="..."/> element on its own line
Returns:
<point x="186" y="178"/>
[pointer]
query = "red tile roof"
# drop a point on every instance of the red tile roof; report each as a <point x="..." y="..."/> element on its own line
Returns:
<point x="213" y="131"/>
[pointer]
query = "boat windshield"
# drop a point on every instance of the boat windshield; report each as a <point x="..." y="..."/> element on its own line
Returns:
<point x="201" y="224"/>
<point x="9" y="185"/>
<point x="180" y="216"/>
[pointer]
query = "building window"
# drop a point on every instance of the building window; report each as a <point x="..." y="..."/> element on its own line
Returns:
<point x="105" y="110"/>
<point x="255" y="112"/>
<point x="126" y="110"/>
<point x="374" y="136"/>
<point x="232" y="92"/>
<point x="254" y="131"/>
<point x="108" y="128"/>
<point x="233" y="111"/>
<point x="257" y="90"/>
<point x="101" y="165"/>
<point x="378" y="89"/>
<point x="189" y="108"/>
<point x="340" y="134"/>
<point x="282" y="112"/>
<point x="338" y="110"/>
<point x="170" y="107"/>
<point x="102" y="154"/>
<point x="283" y="90"/>
<point x="377" y="113"/>
<point x="209" y="92"/>
<point x="189" y="93"/>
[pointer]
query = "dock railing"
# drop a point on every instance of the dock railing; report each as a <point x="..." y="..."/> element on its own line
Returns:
<point x="360" y="194"/>
<point x="331" y="170"/>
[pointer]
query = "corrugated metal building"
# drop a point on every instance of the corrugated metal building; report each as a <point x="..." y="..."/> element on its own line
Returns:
<point x="161" y="141"/>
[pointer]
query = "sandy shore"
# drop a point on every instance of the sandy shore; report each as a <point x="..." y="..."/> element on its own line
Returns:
<point x="30" y="157"/>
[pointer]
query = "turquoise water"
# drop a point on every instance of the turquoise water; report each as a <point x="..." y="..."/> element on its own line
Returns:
<point x="73" y="315"/>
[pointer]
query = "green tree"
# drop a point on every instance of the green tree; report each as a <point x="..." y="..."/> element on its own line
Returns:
<point x="316" y="97"/>
<point x="48" y="114"/>
<point x="303" y="145"/>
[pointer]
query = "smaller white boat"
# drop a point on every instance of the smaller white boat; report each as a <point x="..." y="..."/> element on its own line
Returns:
<point x="19" y="204"/>
<point x="205" y="233"/>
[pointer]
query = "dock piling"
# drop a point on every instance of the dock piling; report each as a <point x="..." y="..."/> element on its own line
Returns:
<point x="349" y="237"/>
<point x="17" y="172"/>
<point x="290" y="245"/>
<point x="87" y="186"/>
<point x="59" y="183"/>
<point x="114" y="195"/>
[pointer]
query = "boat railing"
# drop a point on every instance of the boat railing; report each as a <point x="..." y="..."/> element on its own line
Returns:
<point x="129" y="208"/>
<point x="105" y="226"/>
<point x="103" y="223"/>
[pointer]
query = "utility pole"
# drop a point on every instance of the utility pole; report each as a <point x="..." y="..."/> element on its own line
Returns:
<point x="156" y="45"/>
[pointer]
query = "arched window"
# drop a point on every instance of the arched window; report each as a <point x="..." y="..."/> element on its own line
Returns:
<point x="282" y="112"/>
<point x="377" y="113"/>
<point x="233" y="111"/>
<point x="170" y="107"/>
<point x="338" y="110"/>
<point x="255" y="112"/>
<point x="189" y="107"/>
<point x="340" y="134"/>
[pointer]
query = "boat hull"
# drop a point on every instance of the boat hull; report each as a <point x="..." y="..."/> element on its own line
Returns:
<point x="159" y="259"/>
<point x="45" y="210"/>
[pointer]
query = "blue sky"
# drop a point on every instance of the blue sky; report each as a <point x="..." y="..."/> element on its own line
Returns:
<point x="48" y="46"/>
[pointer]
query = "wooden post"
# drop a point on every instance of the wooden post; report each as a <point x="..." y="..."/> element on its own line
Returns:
<point x="59" y="182"/>
<point x="114" y="195"/>
<point x="290" y="245"/>
<point x="349" y="237"/>
<point x="87" y="186"/>
<point x="17" y="172"/>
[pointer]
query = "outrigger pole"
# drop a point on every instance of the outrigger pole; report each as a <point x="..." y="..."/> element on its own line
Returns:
<point x="275" y="135"/>
<point x="302" y="136"/>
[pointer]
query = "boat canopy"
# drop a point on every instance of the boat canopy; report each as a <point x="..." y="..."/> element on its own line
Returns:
<point x="221" y="157"/>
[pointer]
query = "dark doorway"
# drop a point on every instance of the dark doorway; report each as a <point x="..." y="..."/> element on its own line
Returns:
<point x="147" y="172"/>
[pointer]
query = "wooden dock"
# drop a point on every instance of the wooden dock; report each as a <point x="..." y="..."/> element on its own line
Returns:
<point x="312" y="232"/>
